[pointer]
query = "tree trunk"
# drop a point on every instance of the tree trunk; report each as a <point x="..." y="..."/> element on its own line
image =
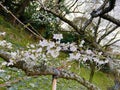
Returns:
<point x="20" y="10"/>
<point x="92" y="66"/>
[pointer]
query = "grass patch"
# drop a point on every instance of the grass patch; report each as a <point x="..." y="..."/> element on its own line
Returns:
<point x="100" y="79"/>
<point x="20" y="38"/>
<point x="15" y="35"/>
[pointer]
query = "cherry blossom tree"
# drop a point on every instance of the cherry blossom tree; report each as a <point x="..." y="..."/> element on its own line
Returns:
<point x="35" y="58"/>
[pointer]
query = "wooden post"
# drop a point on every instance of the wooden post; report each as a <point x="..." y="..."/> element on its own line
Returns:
<point x="54" y="82"/>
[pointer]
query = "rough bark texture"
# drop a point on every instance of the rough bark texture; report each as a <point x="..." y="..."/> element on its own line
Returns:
<point x="46" y="70"/>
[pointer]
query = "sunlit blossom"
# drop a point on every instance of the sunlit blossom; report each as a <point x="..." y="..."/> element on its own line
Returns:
<point x="10" y="63"/>
<point x="50" y="45"/>
<point x="101" y="62"/>
<point x="106" y="61"/>
<point x="4" y="63"/>
<point x="73" y="48"/>
<point x="13" y="54"/>
<point x="32" y="56"/>
<point x="35" y="53"/>
<point x="89" y="52"/>
<point x="58" y="49"/>
<point x="96" y="59"/>
<point x="5" y="44"/>
<point x="100" y="53"/>
<point x="26" y="54"/>
<point x="32" y="46"/>
<point x="2" y="70"/>
<point x="64" y="46"/>
<point x="2" y="33"/>
<point x="39" y="50"/>
<point x="85" y="59"/>
<point x="53" y="53"/>
<point x="43" y="55"/>
<point x="74" y="56"/>
<point x="7" y="77"/>
<point x="57" y="36"/>
<point x="32" y="85"/>
<point x="43" y="43"/>
<point x="81" y="44"/>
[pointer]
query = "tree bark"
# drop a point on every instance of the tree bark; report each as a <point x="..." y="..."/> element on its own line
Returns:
<point x="22" y="7"/>
<point x="92" y="67"/>
<point x="38" y="70"/>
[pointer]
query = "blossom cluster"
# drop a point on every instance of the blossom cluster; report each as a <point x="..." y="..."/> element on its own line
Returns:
<point x="2" y="33"/>
<point x="94" y="57"/>
<point x="36" y="53"/>
<point x="83" y="55"/>
<point x="4" y="43"/>
<point x="42" y="51"/>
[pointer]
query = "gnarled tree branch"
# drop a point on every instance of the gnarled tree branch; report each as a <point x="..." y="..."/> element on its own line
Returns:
<point x="111" y="19"/>
<point x="37" y="70"/>
<point x="103" y="10"/>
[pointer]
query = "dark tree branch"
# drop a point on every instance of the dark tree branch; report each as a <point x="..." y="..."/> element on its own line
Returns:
<point x="107" y="33"/>
<point x="96" y="29"/>
<point x="38" y="70"/>
<point x="111" y="19"/>
<point x="64" y="19"/>
<point x="81" y="31"/>
<point x="102" y="11"/>
<point x="88" y="22"/>
<point x="110" y="41"/>
<point x="73" y="4"/>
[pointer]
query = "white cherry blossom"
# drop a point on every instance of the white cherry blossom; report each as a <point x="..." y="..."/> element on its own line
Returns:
<point x="43" y="43"/>
<point x="50" y="45"/>
<point x="5" y="44"/>
<point x="35" y="53"/>
<point x="2" y="70"/>
<point x="89" y="52"/>
<point x="39" y="50"/>
<point x="73" y="48"/>
<point x="57" y="36"/>
<point x="32" y="46"/>
<point x="58" y="49"/>
<point x="53" y="53"/>
<point x="74" y="56"/>
<point x="101" y="62"/>
<point x="2" y="33"/>
<point x="11" y="62"/>
<point x="81" y="44"/>
<point x="85" y="59"/>
<point x="13" y="54"/>
<point x="4" y="63"/>
<point x="96" y="59"/>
